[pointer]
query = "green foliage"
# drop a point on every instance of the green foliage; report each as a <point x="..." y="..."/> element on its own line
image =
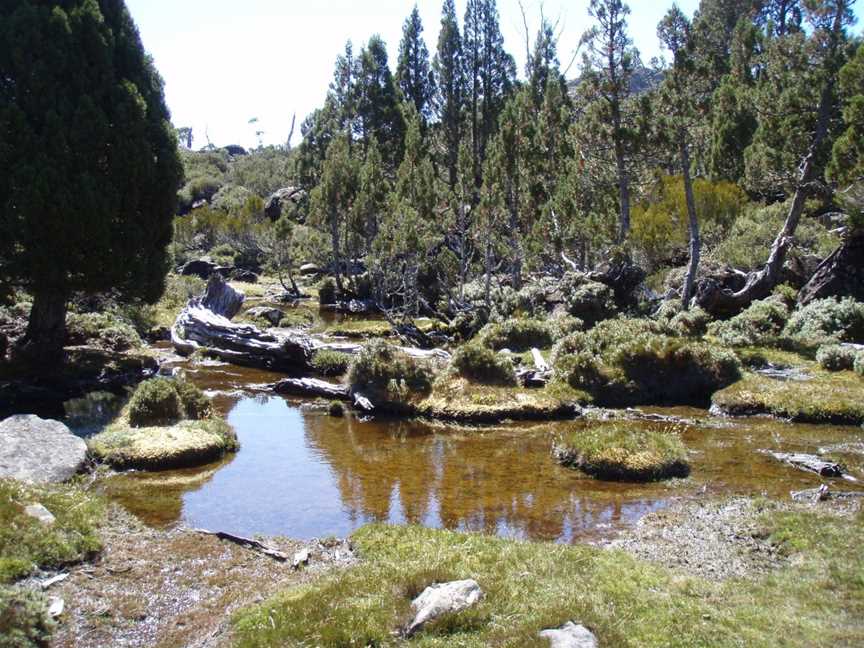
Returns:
<point x="624" y="452"/>
<point x="760" y="324"/>
<point x="327" y="291"/>
<point x="336" y="409"/>
<point x="384" y="371"/>
<point x="692" y="322"/>
<point x="90" y="158"/>
<point x="516" y="334"/>
<point x="836" y="357"/>
<point x="847" y="159"/>
<point x="26" y="543"/>
<point x="24" y="620"/>
<point x="330" y="363"/>
<point x="825" y="320"/>
<point x="106" y="330"/>
<point x="196" y="405"/>
<point x="482" y="365"/>
<point x="562" y="326"/>
<point x="579" y="369"/>
<point x="588" y="300"/>
<point x="413" y="73"/>
<point x="660" y="225"/>
<point x="155" y="402"/>
<point x="858" y="365"/>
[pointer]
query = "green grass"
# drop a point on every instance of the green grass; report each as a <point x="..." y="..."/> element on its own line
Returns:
<point x="817" y="599"/>
<point x="827" y="397"/>
<point x="26" y="543"/>
<point x="622" y="452"/>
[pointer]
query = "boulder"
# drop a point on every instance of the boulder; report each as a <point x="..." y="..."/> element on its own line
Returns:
<point x="202" y="268"/>
<point x="235" y="149"/>
<point x="244" y="275"/>
<point x="221" y="298"/>
<point x="443" y="598"/>
<point x="40" y="513"/>
<point x="280" y="198"/>
<point x="272" y="315"/>
<point x="839" y="275"/>
<point x="309" y="269"/>
<point x="38" y="450"/>
<point x="570" y="635"/>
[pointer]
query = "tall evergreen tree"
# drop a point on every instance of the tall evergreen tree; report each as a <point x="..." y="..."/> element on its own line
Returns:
<point x="449" y="88"/>
<point x="847" y="156"/>
<point x="378" y="114"/>
<point x="609" y="63"/>
<point x="413" y="73"/>
<point x="89" y="158"/>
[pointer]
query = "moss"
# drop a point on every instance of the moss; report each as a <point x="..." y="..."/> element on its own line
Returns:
<point x="824" y="397"/>
<point x="530" y="586"/>
<point x="26" y="543"/>
<point x="482" y="365"/>
<point x="516" y="334"/>
<point x="624" y="453"/>
<point x="330" y="363"/>
<point x="24" y="620"/>
<point x="185" y="443"/>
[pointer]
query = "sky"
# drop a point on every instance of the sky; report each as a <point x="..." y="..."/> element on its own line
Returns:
<point x="226" y="62"/>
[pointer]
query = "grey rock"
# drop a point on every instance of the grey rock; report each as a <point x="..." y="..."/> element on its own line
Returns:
<point x="570" y="635"/>
<point x="39" y="450"/>
<point x="443" y="598"/>
<point x="40" y="513"/>
<point x="202" y="268"/>
<point x="272" y="315"/>
<point x="280" y="199"/>
<point x="221" y="298"/>
<point x="309" y="269"/>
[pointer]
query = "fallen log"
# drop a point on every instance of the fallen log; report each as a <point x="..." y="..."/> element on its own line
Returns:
<point x="809" y="463"/>
<point x="363" y="403"/>
<point x="248" y="543"/>
<point x="823" y="493"/>
<point x="312" y="387"/>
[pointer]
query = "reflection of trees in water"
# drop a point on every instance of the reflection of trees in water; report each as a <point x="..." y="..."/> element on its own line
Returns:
<point x="494" y="482"/>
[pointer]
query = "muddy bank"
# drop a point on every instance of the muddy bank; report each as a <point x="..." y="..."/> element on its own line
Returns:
<point x="176" y="587"/>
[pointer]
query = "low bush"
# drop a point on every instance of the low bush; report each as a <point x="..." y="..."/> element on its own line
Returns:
<point x="760" y="324"/>
<point x="24" y="619"/>
<point x="692" y="322"/>
<point x="336" y="409"/>
<point x="105" y="330"/>
<point x="482" y="365"/>
<point x="825" y="320"/>
<point x="195" y="403"/>
<point x="858" y="365"/>
<point x="515" y="334"/>
<point x="330" y="363"/>
<point x="155" y="402"/>
<point x="580" y="370"/>
<point x="386" y="372"/>
<point x="327" y="291"/>
<point x="836" y="357"/>
<point x="588" y="300"/>
<point x="624" y="453"/>
<point x="562" y="326"/>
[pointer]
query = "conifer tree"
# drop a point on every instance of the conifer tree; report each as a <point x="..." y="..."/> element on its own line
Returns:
<point x="847" y="157"/>
<point x="89" y="157"/>
<point x="449" y="88"/>
<point x="378" y="113"/>
<point x="413" y="73"/>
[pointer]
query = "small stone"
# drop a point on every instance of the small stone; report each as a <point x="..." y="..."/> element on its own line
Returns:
<point x="570" y="635"/>
<point x="443" y="598"/>
<point x="40" y="513"/>
<point x="55" y="606"/>
<point x="301" y="558"/>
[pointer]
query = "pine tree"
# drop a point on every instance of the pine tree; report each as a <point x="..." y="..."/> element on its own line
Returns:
<point x="609" y="63"/>
<point x="413" y="73"/>
<point x="89" y="157"/>
<point x="847" y="156"/>
<point x="449" y="87"/>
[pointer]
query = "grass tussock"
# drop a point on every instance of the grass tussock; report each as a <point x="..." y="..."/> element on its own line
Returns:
<point x="624" y="453"/>
<point x="482" y="365"/>
<point x="331" y="363"/>
<point x="26" y="543"/>
<point x="531" y="586"/>
<point x="385" y="374"/>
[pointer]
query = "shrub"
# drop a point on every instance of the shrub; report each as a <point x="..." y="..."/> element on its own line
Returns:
<point x="580" y="370"/>
<point x="620" y="452"/>
<point x="760" y="324"/>
<point x="24" y="619"/>
<point x="836" y="357"/>
<point x="692" y="322"/>
<point x="327" y="291"/>
<point x="589" y="300"/>
<point x="385" y="371"/>
<point x="562" y="326"/>
<point x="858" y="365"/>
<point x="331" y="363"/>
<point x="826" y="320"/>
<point x="336" y="409"/>
<point x="515" y="334"/>
<point x="104" y="330"/>
<point x="223" y="255"/>
<point x="195" y="403"/>
<point x="482" y="365"/>
<point x="155" y="402"/>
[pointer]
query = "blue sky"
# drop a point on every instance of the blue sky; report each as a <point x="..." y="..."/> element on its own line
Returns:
<point x="225" y="62"/>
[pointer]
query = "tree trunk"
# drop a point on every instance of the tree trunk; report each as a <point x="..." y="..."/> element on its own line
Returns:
<point x="46" y="328"/>
<point x="337" y="255"/>
<point x="515" y="245"/>
<point x="487" y="262"/>
<point x="623" y="180"/>
<point x="693" y="222"/>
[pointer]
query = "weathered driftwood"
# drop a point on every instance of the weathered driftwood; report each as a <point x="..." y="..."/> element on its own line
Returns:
<point x="528" y="377"/>
<point x="363" y="403"/>
<point x="810" y="463"/>
<point x="823" y="493"/>
<point x="249" y="543"/>
<point x="198" y="327"/>
<point x="539" y="362"/>
<point x="312" y="387"/>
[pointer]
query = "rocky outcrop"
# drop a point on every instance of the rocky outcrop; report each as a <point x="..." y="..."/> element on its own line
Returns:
<point x="202" y="268"/>
<point x="221" y="298"/>
<point x="39" y="450"/>
<point x="443" y="598"/>
<point x="839" y="275"/>
<point x="280" y="199"/>
<point x="570" y="635"/>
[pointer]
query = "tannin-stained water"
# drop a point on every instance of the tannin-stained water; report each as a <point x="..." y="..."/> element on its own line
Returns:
<point x="304" y="474"/>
